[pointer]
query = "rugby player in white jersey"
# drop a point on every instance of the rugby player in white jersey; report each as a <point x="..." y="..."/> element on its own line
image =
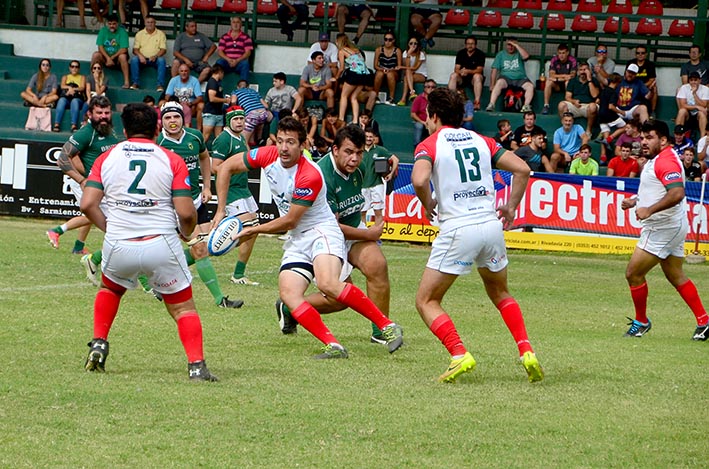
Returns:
<point x="459" y="164"/>
<point x="132" y="194"/>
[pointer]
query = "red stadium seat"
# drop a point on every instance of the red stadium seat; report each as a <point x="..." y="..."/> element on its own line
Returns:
<point x="554" y="21"/>
<point x="620" y="7"/>
<point x="559" y="5"/>
<point x="589" y="6"/>
<point x="681" y="28"/>
<point x="649" y="27"/>
<point x="584" y="24"/>
<point x="267" y="7"/>
<point x="521" y="20"/>
<point x="235" y="6"/>
<point x="456" y="17"/>
<point x="650" y="8"/>
<point x="204" y="5"/>
<point x="611" y="25"/>
<point x="524" y="5"/>
<point x="173" y="4"/>
<point x="489" y="19"/>
<point x="320" y="10"/>
<point x="499" y="4"/>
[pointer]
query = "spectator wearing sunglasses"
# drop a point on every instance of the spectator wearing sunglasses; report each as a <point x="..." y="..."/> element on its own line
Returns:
<point x="601" y="65"/>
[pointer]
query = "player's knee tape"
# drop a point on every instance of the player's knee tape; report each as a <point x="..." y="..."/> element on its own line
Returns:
<point x="252" y="222"/>
<point x="300" y="268"/>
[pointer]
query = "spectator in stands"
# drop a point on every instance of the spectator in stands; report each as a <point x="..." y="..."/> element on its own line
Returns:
<point x="562" y="68"/>
<point x="468" y="110"/>
<point x="681" y="140"/>
<point x="145" y="6"/>
<point x="692" y="102"/>
<point x="149" y="50"/>
<point x="702" y="151"/>
<point x="321" y="148"/>
<point x="608" y="117"/>
<point x="523" y="133"/>
<point x="624" y="165"/>
<point x="419" y="111"/>
<point x="96" y="81"/>
<point x="601" y="65"/>
<point x="316" y="81"/>
<point x="99" y="12"/>
<point x="630" y="96"/>
<point x="584" y="165"/>
<point x="311" y="125"/>
<point x="194" y="49"/>
<point x="367" y="122"/>
<point x="647" y="74"/>
<point x="387" y="63"/>
<point x="695" y="64"/>
<point x="329" y="51"/>
<point x="533" y="152"/>
<point x="234" y="50"/>
<point x="288" y="8"/>
<point x="567" y="142"/>
<point x="112" y="42"/>
<point x="354" y="75"/>
<point x="41" y="91"/>
<point x="581" y="94"/>
<point x="426" y="21"/>
<point x="692" y="168"/>
<point x="469" y="69"/>
<point x="282" y="96"/>
<point x="214" y="103"/>
<point x="186" y="89"/>
<point x="357" y="10"/>
<point x="508" y="70"/>
<point x="330" y="125"/>
<point x="414" y="69"/>
<point x="72" y="93"/>
<point x="631" y="134"/>
<point x="504" y="134"/>
<point x="256" y="110"/>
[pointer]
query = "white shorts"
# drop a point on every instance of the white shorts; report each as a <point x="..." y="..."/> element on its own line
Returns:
<point x="241" y="206"/>
<point x="629" y="113"/>
<point x="580" y="111"/>
<point x="374" y="197"/>
<point x="75" y="188"/>
<point x="664" y="242"/>
<point x="347" y="268"/>
<point x="304" y="247"/>
<point x="161" y="259"/>
<point x="458" y="250"/>
<point x="618" y="123"/>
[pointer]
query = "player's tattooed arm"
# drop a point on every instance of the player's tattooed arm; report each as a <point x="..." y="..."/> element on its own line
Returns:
<point x="68" y="157"/>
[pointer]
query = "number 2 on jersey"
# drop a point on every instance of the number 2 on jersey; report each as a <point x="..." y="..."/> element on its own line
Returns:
<point x="139" y="166"/>
<point x="468" y="164"/>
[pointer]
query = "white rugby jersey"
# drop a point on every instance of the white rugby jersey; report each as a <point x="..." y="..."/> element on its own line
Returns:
<point x="301" y="184"/>
<point x="658" y="175"/>
<point x="462" y="175"/>
<point x="139" y="180"/>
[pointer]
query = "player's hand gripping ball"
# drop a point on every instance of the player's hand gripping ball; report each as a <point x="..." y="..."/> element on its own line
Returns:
<point x="220" y="239"/>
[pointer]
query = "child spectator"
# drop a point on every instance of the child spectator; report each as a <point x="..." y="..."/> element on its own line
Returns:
<point x="366" y="121"/>
<point x="608" y="118"/>
<point x="469" y="110"/>
<point x="692" y="168"/>
<point x="505" y="134"/>
<point x="330" y="125"/>
<point x="321" y="148"/>
<point x="681" y="141"/>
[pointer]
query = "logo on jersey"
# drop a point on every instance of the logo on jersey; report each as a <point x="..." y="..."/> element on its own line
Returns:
<point x="459" y="136"/>
<point x="253" y="153"/>
<point x="673" y="176"/>
<point x="303" y="192"/>
<point x="469" y="194"/>
<point x="463" y="263"/>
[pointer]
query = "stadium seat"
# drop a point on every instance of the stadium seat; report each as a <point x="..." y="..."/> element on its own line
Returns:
<point x="204" y="5"/>
<point x="266" y="7"/>
<point x="171" y="4"/>
<point x="681" y="28"/>
<point x="320" y="10"/>
<point x="620" y="7"/>
<point x="457" y="17"/>
<point x="559" y="5"/>
<point x="589" y="6"/>
<point x="611" y="25"/>
<point x="524" y="5"/>
<point x="554" y="21"/>
<point x="521" y="20"/>
<point x="489" y="19"/>
<point x="649" y="27"/>
<point x="499" y="4"/>
<point x="584" y="24"/>
<point x="235" y="6"/>
<point x="650" y="8"/>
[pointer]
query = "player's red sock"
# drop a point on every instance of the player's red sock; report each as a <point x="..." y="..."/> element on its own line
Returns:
<point x="443" y="328"/>
<point x="639" y="295"/>
<point x="310" y="319"/>
<point x="105" y="310"/>
<point x="688" y="292"/>
<point x="512" y="315"/>
<point x="355" y="298"/>
<point x="189" y="327"/>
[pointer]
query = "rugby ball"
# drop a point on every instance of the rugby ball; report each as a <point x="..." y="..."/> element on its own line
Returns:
<point x="220" y="239"/>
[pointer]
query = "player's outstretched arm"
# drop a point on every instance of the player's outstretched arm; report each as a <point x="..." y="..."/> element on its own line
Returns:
<point x="520" y="172"/>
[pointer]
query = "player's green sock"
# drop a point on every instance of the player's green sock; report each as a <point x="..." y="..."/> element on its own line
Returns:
<point x="144" y="282"/>
<point x="376" y="332"/>
<point x="79" y="245"/>
<point x="96" y="257"/>
<point x="239" y="269"/>
<point x="188" y="256"/>
<point x="208" y="275"/>
<point x="58" y="230"/>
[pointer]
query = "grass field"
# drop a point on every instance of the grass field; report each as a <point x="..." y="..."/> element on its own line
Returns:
<point x="606" y="401"/>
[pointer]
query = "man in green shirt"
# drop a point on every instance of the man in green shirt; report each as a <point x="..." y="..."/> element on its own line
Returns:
<point x="112" y="42"/>
<point x="374" y="185"/>
<point x="508" y="70"/>
<point x="239" y="201"/>
<point x="584" y="165"/>
<point x="189" y="144"/>
<point x="344" y="181"/>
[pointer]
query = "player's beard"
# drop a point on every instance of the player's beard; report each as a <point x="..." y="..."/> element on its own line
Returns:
<point x="104" y="127"/>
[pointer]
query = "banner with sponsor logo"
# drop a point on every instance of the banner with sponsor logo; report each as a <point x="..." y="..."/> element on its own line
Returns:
<point x="590" y="206"/>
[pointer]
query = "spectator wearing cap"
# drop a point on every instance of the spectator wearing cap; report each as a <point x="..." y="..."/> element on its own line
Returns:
<point x="681" y="142"/>
<point x="329" y="51"/>
<point x="630" y="96"/>
<point x="695" y="64"/>
<point x="692" y="102"/>
<point x="647" y="74"/>
<point x="288" y="8"/>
